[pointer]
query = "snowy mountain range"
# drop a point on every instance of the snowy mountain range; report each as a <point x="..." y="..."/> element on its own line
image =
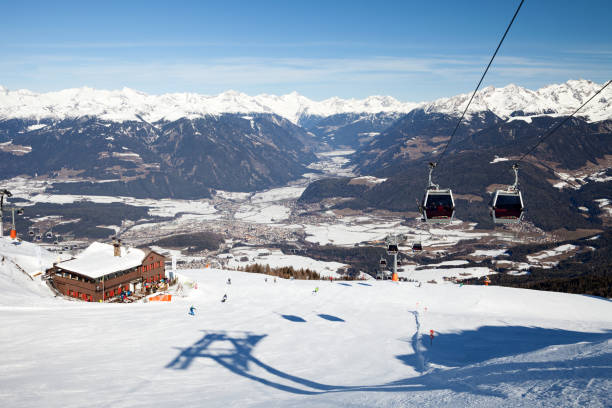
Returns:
<point x="128" y="104"/>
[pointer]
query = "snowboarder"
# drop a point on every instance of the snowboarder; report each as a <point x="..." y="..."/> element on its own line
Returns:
<point x="315" y="291"/>
<point x="431" y="337"/>
<point x="192" y="310"/>
<point x="224" y="298"/>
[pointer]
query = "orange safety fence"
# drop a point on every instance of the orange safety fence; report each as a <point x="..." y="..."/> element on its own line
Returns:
<point x="161" y="298"/>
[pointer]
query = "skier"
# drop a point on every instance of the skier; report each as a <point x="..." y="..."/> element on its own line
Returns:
<point x="192" y="310"/>
<point x="224" y="298"/>
<point x="315" y="291"/>
<point x="229" y="281"/>
<point x="431" y="337"/>
<point x="274" y="279"/>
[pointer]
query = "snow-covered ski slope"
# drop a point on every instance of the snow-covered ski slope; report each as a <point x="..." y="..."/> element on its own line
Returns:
<point x="352" y="344"/>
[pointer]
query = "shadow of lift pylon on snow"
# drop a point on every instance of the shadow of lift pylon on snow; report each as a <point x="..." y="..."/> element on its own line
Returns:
<point x="238" y="357"/>
<point x="234" y="351"/>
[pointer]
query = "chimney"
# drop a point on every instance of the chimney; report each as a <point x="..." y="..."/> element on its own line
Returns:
<point x="116" y="247"/>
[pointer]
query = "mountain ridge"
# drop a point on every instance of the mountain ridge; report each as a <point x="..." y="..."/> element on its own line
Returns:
<point x="129" y="104"/>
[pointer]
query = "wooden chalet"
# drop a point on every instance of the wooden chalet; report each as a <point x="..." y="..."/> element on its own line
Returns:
<point x="103" y="271"/>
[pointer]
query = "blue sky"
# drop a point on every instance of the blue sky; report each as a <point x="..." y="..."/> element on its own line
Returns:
<point x="412" y="50"/>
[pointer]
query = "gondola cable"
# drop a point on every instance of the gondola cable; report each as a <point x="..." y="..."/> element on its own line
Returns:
<point x="507" y="205"/>
<point x="438" y="204"/>
<point x="480" y="82"/>
<point x="562" y="123"/>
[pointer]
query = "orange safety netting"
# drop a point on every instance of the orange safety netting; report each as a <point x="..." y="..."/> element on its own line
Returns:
<point x="161" y="298"/>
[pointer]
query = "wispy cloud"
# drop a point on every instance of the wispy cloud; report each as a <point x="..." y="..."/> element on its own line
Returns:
<point x="162" y="44"/>
<point x="396" y="76"/>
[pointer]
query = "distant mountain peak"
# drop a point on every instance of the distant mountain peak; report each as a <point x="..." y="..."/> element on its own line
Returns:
<point x="555" y="99"/>
<point x="130" y="104"/>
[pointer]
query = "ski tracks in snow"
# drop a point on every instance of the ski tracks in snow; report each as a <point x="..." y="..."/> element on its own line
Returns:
<point x="417" y="345"/>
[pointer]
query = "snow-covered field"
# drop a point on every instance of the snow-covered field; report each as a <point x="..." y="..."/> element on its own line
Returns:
<point x="540" y="258"/>
<point x="32" y="258"/>
<point x="437" y="275"/>
<point x="243" y="256"/>
<point x="352" y="344"/>
<point x="262" y="213"/>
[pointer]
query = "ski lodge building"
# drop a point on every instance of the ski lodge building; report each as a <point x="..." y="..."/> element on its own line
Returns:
<point x="103" y="271"/>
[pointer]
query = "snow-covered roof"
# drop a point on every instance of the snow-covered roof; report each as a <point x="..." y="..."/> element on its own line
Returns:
<point x="98" y="260"/>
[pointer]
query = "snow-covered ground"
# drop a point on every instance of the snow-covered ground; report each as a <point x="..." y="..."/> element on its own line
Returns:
<point x="352" y="344"/>
<point x="489" y="253"/>
<point x="262" y="213"/>
<point x="543" y="258"/>
<point x="30" y="257"/>
<point x="435" y="273"/>
<point x="278" y="194"/>
<point x="334" y="163"/>
<point x="243" y="256"/>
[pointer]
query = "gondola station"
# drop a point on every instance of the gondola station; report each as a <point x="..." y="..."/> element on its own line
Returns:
<point x="104" y="272"/>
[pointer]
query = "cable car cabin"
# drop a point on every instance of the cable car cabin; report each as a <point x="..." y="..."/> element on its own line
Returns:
<point x="392" y="249"/>
<point x="507" y="207"/>
<point x="383" y="262"/>
<point x="438" y="206"/>
<point x="31" y="233"/>
<point x="49" y="235"/>
<point x="417" y="246"/>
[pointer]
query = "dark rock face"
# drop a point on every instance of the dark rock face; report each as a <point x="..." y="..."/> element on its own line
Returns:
<point x="468" y="167"/>
<point x="182" y="159"/>
<point x="349" y="130"/>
